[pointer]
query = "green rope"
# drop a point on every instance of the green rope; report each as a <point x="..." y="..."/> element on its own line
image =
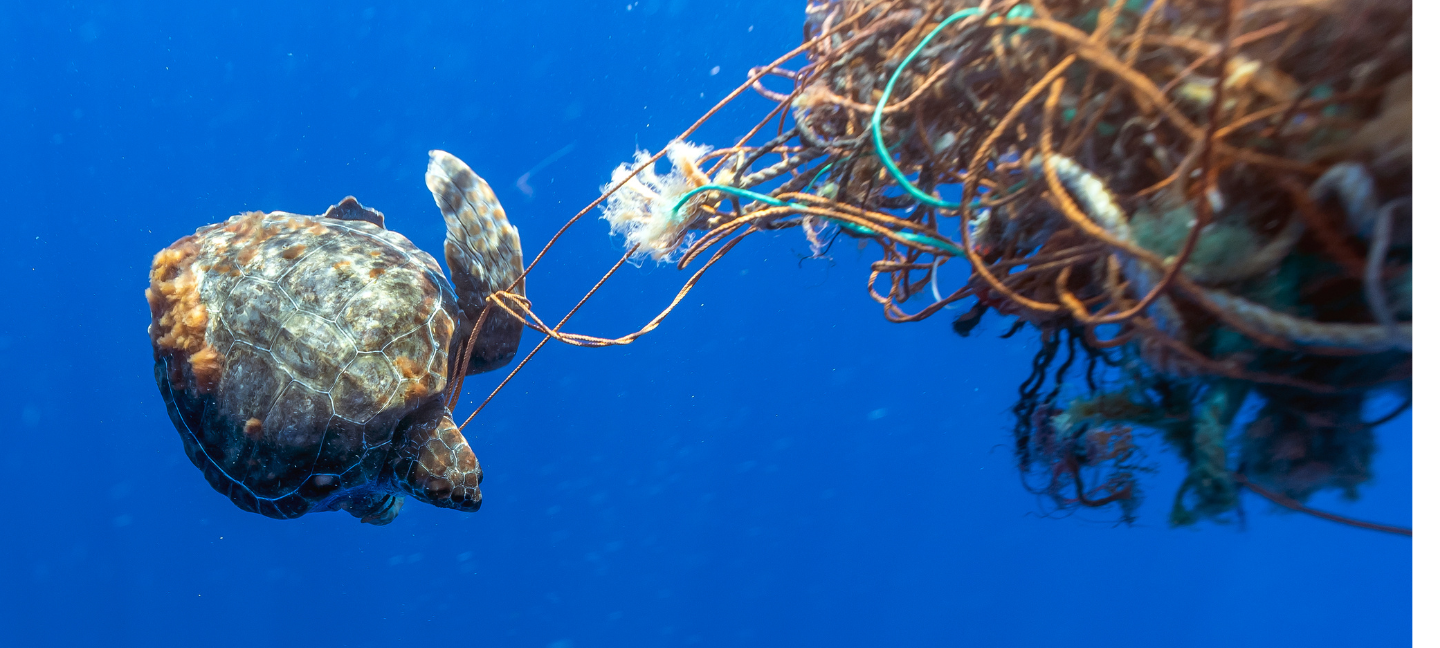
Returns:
<point x="1019" y="11"/>
<point x="922" y="239"/>
<point x="734" y="191"/>
<point x="822" y="171"/>
<point x="876" y="117"/>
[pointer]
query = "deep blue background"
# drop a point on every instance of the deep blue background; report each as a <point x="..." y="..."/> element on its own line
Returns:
<point x="776" y="465"/>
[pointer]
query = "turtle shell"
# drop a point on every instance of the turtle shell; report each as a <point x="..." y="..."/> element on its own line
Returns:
<point x="287" y="349"/>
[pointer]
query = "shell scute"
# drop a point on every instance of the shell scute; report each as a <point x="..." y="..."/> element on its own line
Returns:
<point x="249" y="386"/>
<point x="319" y="486"/>
<point x="221" y="440"/>
<point x="413" y="355"/>
<point x="365" y="387"/>
<point x="312" y="350"/>
<point x="220" y="339"/>
<point x="244" y="498"/>
<point x="290" y="435"/>
<point x="324" y="281"/>
<point x="220" y="279"/>
<point x="442" y="331"/>
<point x="362" y="471"/>
<point x="343" y="445"/>
<point x="394" y="304"/>
<point x="254" y="309"/>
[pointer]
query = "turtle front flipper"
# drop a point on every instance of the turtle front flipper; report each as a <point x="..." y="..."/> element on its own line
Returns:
<point x="433" y="462"/>
<point x="482" y="249"/>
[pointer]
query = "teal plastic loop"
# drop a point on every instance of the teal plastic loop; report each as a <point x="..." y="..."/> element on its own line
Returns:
<point x="922" y="239"/>
<point x="875" y="119"/>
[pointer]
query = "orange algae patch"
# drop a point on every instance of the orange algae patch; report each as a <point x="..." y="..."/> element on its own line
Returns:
<point x="253" y="428"/>
<point x="410" y="369"/>
<point x="246" y="225"/>
<point x="206" y="364"/>
<point x="178" y="318"/>
<point x="416" y="374"/>
<point x="252" y="229"/>
<point x="417" y="389"/>
<point x="249" y="233"/>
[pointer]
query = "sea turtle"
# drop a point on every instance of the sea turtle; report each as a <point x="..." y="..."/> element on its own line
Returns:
<point x="303" y="358"/>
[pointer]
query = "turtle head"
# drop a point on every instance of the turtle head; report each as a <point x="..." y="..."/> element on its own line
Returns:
<point x="433" y="462"/>
<point x="482" y="249"/>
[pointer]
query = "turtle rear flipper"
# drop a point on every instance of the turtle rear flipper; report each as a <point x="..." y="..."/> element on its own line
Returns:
<point x="482" y="249"/>
<point x="371" y="506"/>
<point x="433" y="462"/>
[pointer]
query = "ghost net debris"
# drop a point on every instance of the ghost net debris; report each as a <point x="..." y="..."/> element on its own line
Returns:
<point x="1208" y="198"/>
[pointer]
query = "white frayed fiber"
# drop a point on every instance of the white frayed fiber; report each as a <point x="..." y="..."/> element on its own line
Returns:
<point x="643" y="209"/>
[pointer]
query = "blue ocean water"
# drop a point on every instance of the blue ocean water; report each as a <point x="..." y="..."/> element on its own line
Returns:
<point x="775" y="465"/>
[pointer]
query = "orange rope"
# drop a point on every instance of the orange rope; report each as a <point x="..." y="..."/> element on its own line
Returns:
<point x="494" y="299"/>
<point x="1301" y="508"/>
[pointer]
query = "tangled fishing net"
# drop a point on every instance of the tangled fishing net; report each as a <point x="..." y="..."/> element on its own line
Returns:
<point x="1197" y="203"/>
